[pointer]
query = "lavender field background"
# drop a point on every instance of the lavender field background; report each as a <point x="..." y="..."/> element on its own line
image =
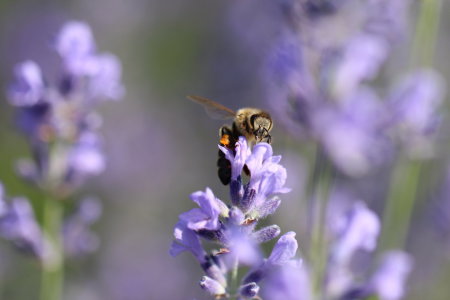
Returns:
<point x="159" y="147"/>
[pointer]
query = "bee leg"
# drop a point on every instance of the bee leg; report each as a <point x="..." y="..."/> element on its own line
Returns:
<point x="225" y="130"/>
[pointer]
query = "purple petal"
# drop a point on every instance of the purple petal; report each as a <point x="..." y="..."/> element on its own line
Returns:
<point x="268" y="207"/>
<point x="266" y="234"/>
<point x="389" y="280"/>
<point x="212" y="286"/>
<point x="28" y="87"/>
<point x="189" y="240"/>
<point x="360" y="232"/>
<point x="75" y="40"/>
<point x="105" y="81"/>
<point x="284" y="249"/>
<point x="288" y="283"/>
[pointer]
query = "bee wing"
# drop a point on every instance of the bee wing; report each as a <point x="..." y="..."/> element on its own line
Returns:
<point x="213" y="109"/>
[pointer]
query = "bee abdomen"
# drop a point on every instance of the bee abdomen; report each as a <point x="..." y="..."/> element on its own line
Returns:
<point x="224" y="170"/>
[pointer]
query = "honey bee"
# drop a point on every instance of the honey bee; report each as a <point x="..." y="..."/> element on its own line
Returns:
<point x="252" y="123"/>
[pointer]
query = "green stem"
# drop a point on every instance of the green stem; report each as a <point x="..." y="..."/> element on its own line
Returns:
<point x="400" y="204"/>
<point x="234" y="276"/>
<point x="320" y="188"/>
<point x="426" y="32"/>
<point x="402" y="195"/>
<point x="52" y="266"/>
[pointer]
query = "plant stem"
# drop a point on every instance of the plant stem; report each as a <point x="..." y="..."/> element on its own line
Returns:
<point x="400" y="204"/>
<point x="234" y="276"/>
<point x="319" y="197"/>
<point x="52" y="266"/>
<point x="426" y="31"/>
<point x="402" y="195"/>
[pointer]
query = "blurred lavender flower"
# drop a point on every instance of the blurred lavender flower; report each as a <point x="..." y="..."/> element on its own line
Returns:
<point x="234" y="227"/>
<point x="78" y="239"/>
<point x="321" y="73"/>
<point x="76" y="46"/>
<point x="288" y="282"/>
<point x="59" y="119"/>
<point x="415" y="103"/>
<point x="389" y="280"/>
<point x="358" y="229"/>
<point x="29" y="88"/>
<point x="18" y="224"/>
<point x="60" y="124"/>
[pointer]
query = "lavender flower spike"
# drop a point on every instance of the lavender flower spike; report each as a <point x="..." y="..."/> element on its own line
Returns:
<point x="207" y="216"/>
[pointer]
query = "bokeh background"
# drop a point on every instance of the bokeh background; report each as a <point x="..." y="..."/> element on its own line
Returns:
<point x="160" y="147"/>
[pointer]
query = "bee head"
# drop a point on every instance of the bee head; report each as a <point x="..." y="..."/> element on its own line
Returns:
<point x="261" y="124"/>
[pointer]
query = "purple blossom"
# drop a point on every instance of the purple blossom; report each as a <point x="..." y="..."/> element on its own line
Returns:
<point x="284" y="250"/>
<point x="237" y="159"/>
<point x="389" y="280"/>
<point x="186" y="240"/>
<point x="267" y="176"/>
<point x="28" y="89"/>
<point x="244" y="249"/>
<point x="78" y="238"/>
<point x="59" y="118"/>
<point x="357" y="229"/>
<point x="213" y="287"/>
<point x="282" y="254"/>
<point x="19" y="225"/>
<point x="234" y="229"/>
<point x="85" y="157"/>
<point x="105" y="82"/>
<point x="360" y="60"/>
<point x="75" y="44"/>
<point x="207" y="216"/>
<point x="249" y="290"/>
<point x="266" y="234"/>
<point x="415" y="103"/>
<point x="288" y="282"/>
<point x="351" y="132"/>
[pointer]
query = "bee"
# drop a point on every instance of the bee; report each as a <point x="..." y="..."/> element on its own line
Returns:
<point x="252" y="123"/>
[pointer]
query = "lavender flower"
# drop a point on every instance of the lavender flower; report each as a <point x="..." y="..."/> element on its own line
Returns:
<point x="28" y="88"/>
<point x="59" y="118"/>
<point x="18" y="224"/>
<point x="414" y="103"/>
<point x="389" y="280"/>
<point x="317" y="76"/>
<point x="207" y="216"/>
<point x="288" y="282"/>
<point x="187" y="240"/>
<point x="358" y="229"/>
<point x="267" y="177"/>
<point x="78" y="238"/>
<point x="75" y="44"/>
<point x="85" y="157"/>
<point x="235" y="228"/>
